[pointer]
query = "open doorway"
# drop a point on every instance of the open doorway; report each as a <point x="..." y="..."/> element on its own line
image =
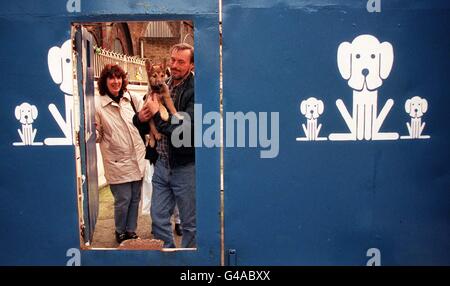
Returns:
<point x="127" y="44"/>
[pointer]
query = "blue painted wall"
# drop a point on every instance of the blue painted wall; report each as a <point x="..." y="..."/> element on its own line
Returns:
<point x="329" y="202"/>
<point x="38" y="187"/>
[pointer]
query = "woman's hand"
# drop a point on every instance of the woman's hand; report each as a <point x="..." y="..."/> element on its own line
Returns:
<point x="145" y="114"/>
<point x="153" y="104"/>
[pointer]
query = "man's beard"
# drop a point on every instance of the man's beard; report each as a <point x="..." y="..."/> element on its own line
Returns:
<point x="180" y="77"/>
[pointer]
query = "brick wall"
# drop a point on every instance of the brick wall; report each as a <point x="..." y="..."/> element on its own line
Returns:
<point x="137" y="31"/>
<point x="156" y="49"/>
<point x="130" y="35"/>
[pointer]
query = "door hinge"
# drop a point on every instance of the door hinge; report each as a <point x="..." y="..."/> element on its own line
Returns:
<point x="232" y="257"/>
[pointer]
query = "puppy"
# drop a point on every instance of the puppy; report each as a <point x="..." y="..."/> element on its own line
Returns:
<point x="311" y="108"/>
<point x="156" y="74"/>
<point x="26" y="114"/>
<point x="416" y="108"/>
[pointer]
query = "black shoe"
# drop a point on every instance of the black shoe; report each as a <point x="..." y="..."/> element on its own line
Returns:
<point x="131" y="235"/>
<point x="178" y="229"/>
<point x="121" y="237"/>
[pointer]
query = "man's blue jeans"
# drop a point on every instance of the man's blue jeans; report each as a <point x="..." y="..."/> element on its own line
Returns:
<point x="170" y="187"/>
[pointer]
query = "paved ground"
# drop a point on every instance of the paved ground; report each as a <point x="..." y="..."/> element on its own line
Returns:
<point x="104" y="230"/>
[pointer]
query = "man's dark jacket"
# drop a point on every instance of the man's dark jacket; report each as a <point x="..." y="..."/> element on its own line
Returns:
<point x="184" y="102"/>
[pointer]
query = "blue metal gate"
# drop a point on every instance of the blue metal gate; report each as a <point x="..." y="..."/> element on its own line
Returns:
<point x="357" y="93"/>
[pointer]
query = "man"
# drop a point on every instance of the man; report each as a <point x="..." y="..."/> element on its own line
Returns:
<point x="174" y="175"/>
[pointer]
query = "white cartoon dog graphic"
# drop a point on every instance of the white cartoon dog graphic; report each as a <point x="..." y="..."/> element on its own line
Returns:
<point x="364" y="63"/>
<point x="60" y="67"/>
<point x="416" y="108"/>
<point x="311" y="108"/>
<point x="26" y="114"/>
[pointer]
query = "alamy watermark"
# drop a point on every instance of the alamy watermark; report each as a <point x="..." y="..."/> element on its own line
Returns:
<point x="73" y="6"/>
<point x="375" y="257"/>
<point x="373" y="6"/>
<point x="75" y="257"/>
<point x="256" y="125"/>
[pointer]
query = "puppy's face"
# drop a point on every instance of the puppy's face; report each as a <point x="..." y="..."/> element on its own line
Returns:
<point x="312" y="108"/>
<point x="365" y="62"/>
<point x="416" y="106"/>
<point x="156" y="76"/>
<point x="26" y="113"/>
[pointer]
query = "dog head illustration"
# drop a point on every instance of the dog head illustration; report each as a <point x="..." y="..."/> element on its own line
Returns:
<point x="312" y="108"/>
<point x="26" y="113"/>
<point x="365" y="62"/>
<point x="60" y="66"/>
<point x="416" y="106"/>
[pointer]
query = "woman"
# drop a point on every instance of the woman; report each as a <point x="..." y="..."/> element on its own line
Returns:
<point x="121" y="146"/>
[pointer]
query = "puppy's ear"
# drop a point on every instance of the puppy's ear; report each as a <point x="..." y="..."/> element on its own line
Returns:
<point x="164" y="64"/>
<point x="320" y="106"/>
<point x="303" y="107"/>
<point x="148" y="66"/>
<point x="408" y="106"/>
<point x="167" y="71"/>
<point x="34" y="112"/>
<point x="424" y="104"/>
<point x="17" y="112"/>
<point x="344" y="59"/>
<point x="386" y="59"/>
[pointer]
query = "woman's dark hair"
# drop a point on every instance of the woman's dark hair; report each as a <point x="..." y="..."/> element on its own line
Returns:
<point x="108" y="72"/>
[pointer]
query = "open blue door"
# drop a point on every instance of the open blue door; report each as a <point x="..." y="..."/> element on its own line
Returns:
<point x="86" y="134"/>
<point x="354" y="97"/>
